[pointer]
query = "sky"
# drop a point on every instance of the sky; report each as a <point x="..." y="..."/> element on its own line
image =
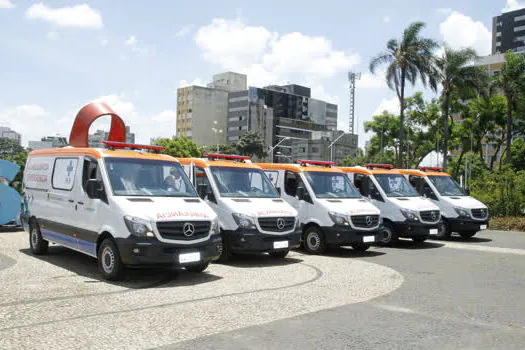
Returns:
<point x="57" y="56"/>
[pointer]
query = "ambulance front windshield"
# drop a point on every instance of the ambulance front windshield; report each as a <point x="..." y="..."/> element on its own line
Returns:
<point x="446" y="186"/>
<point x="242" y="182"/>
<point x="395" y="185"/>
<point x="148" y="178"/>
<point x="331" y="185"/>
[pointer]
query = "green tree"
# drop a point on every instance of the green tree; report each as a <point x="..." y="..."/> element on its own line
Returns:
<point x="9" y="148"/>
<point x="251" y="144"/>
<point x="454" y="71"/>
<point x="386" y="130"/>
<point x="511" y="81"/>
<point x="179" y="147"/>
<point x="359" y="159"/>
<point x="408" y="59"/>
<point x="223" y="149"/>
<point x="518" y="154"/>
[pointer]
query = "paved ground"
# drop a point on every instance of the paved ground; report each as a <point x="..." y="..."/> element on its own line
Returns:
<point x="446" y="295"/>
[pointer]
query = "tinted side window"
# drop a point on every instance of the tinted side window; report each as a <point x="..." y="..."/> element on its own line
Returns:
<point x="201" y="177"/>
<point x="90" y="171"/>
<point x="291" y="182"/>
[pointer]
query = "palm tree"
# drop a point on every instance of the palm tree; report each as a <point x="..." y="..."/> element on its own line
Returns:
<point x="511" y="81"/>
<point x="408" y="59"/>
<point x="454" y="71"/>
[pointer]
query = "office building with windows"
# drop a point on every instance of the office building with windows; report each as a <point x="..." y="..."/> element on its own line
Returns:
<point x="508" y="32"/>
<point x="8" y="133"/>
<point x="48" y="142"/>
<point x="202" y="111"/>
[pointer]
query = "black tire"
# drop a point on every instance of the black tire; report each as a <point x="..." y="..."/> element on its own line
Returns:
<point x="419" y="240"/>
<point x="109" y="263"/>
<point x="197" y="268"/>
<point x="226" y="253"/>
<point x="314" y="241"/>
<point x="360" y="247"/>
<point x="387" y="235"/>
<point x="443" y="230"/>
<point x="467" y="234"/>
<point x="37" y="243"/>
<point x="279" y="254"/>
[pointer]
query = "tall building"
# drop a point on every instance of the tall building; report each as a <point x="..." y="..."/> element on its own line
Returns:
<point x="202" y="111"/>
<point x="8" y="133"/>
<point x="95" y="140"/>
<point x="288" y="118"/>
<point x="508" y="32"/>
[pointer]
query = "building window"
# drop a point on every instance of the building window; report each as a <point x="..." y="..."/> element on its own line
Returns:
<point x="516" y="29"/>
<point x="235" y="109"/>
<point x="498" y="34"/>
<point x="304" y="149"/>
<point x="498" y="43"/>
<point x="189" y="110"/>
<point x="240" y="128"/>
<point x="315" y="150"/>
<point x="237" y="99"/>
<point x="519" y="18"/>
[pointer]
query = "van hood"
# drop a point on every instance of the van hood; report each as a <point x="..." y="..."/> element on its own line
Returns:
<point x="349" y="206"/>
<point x="413" y="203"/>
<point x="260" y="207"/>
<point x="165" y="208"/>
<point x="466" y="202"/>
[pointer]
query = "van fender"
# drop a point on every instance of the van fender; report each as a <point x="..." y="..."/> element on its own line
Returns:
<point x="311" y="222"/>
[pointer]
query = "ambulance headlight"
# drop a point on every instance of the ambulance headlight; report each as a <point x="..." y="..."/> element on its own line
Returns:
<point x="243" y="220"/>
<point x="462" y="212"/>
<point x="138" y="227"/>
<point x="410" y="214"/>
<point x="339" y="219"/>
<point x="215" y="227"/>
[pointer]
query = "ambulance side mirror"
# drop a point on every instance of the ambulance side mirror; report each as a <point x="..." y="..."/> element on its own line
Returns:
<point x="94" y="189"/>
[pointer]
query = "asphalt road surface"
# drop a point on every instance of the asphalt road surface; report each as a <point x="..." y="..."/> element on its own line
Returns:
<point x="452" y="294"/>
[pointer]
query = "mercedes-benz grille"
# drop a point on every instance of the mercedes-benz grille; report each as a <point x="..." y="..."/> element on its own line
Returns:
<point x="277" y="224"/>
<point x="365" y="221"/>
<point x="183" y="230"/>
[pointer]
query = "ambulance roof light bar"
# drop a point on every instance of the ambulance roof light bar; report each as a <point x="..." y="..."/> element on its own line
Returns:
<point x="379" y="166"/>
<point x="304" y="162"/>
<point x="232" y="157"/>
<point x="429" y="168"/>
<point x="112" y="145"/>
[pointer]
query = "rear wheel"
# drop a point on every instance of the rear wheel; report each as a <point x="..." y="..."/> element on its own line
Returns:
<point x="197" y="268"/>
<point x="37" y="243"/>
<point x="360" y="247"/>
<point x="109" y="263"/>
<point x="443" y="230"/>
<point x="467" y="234"/>
<point x="387" y="235"/>
<point x="314" y="241"/>
<point x="279" y="254"/>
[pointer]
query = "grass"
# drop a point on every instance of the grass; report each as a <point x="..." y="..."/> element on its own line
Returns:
<point x="510" y="223"/>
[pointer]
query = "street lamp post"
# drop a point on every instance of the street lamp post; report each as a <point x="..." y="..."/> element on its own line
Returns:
<point x="278" y="143"/>
<point x="215" y="131"/>
<point x="332" y="144"/>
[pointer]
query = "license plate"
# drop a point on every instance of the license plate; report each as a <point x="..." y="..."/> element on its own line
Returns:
<point x="433" y="231"/>
<point x="280" y="245"/>
<point x="367" y="239"/>
<point x="189" y="257"/>
<point x="483" y="227"/>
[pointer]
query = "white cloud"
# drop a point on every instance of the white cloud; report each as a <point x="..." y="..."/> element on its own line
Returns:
<point x="79" y="16"/>
<point x="6" y="4"/>
<point x="461" y="31"/>
<point x="124" y="108"/>
<point x="271" y="58"/>
<point x="133" y="44"/>
<point x="390" y="105"/>
<point x="184" y="31"/>
<point x="444" y="10"/>
<point x="372" y="81"/>
<point x="196" y="81"/>
<point x="513" y="5"/>
<point x="386" y="19"/>
<point x="319" y="92"/>
<point x="168" y="115"/>
<point x="51" y="35"/>
<point x="104" y="42"/>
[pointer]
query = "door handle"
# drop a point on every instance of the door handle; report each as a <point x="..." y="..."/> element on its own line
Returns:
<point x="70" y="200"/>
<point x="81" y="203"/>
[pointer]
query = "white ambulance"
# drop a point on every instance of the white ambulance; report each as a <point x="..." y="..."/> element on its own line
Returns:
<point x="405" y="213"/>
<point x="120" y="206"/>
<point x="252" y="217"/>
<point x="331" y="210"/>
<point x="459" y="211"/>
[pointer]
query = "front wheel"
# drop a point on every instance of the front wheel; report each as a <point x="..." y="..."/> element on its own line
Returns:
<point x="109" y="263"/>
<point x="314" y="241"/>
<point x="279" y="254"/>
<point x="467" y="234"/>
<point x="388" y="236"/>
<point x="360" y="247"/>
<point x="37" y="243"/>
<point x="197" y="268"/>
<point x="225" y="252"/>
<point x="443" y="230"/>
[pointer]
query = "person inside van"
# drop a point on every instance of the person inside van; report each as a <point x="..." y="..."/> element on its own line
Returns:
<point x="173" y="182"/>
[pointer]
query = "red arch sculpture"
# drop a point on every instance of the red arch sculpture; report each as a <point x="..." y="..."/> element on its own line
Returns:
<point x="87" y="115"/>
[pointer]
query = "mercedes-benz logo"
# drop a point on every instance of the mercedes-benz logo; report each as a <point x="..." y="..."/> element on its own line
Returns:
<point x="280" y="223"/>
<point x="433" y="215"/>
<point x="482" y="212"/>
<point x="368" y="220"/>
<point x="188" y="229"/>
